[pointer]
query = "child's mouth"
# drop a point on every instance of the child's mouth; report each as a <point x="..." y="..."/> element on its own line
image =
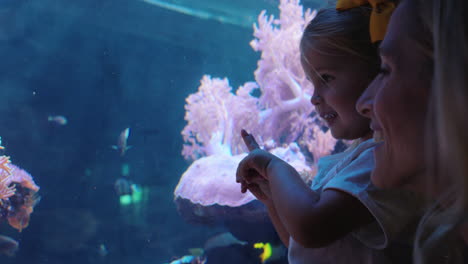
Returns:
<point x="329" y="117"/>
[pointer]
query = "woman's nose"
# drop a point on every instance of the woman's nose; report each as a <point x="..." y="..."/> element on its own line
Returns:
<point x="316" y="100"/>
<point x="365" y="103"/>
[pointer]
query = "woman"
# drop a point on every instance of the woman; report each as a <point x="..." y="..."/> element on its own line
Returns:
<point x="417" y="105"/>
<point x="340" y="217"/>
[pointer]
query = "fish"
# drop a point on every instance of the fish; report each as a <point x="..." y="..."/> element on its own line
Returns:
<point x="8" y="246"/>
<point x="270" y="253"/>
<point x="122" y="146"/>
<point x="197" y="252"/>
<point x="189" y="260"/>
<point x="102" y="250"/>
<point x="58" y="119"/>
<point x="123" y="186"/>
<point x="267" y="251"/>
<point x="222" y="240"/>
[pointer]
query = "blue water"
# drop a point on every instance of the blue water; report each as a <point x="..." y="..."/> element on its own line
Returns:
<point x="107" y="65"/>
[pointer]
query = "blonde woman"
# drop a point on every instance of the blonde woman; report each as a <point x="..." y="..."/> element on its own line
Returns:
<point x="446" y="223"/>
<point x="417" y="106"/>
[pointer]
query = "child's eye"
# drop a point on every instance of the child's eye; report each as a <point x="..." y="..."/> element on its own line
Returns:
<point x="327" y="77"/>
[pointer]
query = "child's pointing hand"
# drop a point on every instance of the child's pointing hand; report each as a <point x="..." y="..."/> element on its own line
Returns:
<point x="252" y="170"/>
<point x="249" y="140"/>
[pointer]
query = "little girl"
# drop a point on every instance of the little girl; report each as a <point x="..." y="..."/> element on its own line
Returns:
<point x="341" y="217"/>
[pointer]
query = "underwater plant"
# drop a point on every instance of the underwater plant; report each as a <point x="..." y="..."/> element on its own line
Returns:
<point x="18" y="194"/>
<point x="275" y="108"/>
<point x="5" y="177"/>
<point x="281" y="114"/>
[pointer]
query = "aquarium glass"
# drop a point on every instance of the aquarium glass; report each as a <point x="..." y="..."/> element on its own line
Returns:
<point x="101" y="115"/>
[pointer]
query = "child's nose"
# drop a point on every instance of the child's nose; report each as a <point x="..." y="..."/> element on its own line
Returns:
<point x="316" y="100"/>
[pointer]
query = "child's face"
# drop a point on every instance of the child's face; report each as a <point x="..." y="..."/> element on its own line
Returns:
<point x="338" y="82"/>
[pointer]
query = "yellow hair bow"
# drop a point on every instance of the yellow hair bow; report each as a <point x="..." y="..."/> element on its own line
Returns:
<point x="380" y="16"/>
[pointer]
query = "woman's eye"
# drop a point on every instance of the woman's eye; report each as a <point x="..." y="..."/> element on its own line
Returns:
<point x="327" y="77"/>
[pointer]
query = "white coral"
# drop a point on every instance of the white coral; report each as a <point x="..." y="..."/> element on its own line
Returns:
<point x="213" y="114"/>
<point x="282" y="114"/>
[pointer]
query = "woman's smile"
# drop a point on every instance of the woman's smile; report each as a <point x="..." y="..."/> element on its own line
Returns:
<point x="377" y="133"/>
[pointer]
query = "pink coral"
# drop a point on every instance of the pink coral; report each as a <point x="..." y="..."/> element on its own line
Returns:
<point x="5" y="191"/>
<point x="18" y="194"/>
<point x="205" y="190"/>
<point x="285" y="98"/>
<point x="279" y="117"/>
<point x="5" y="178"/>
<point x="209" y="182"/>
<point x="13" y="174"/>
<point x="26" y="192"/>
<point x="213" y="114"/>
<point x="22" y="177"/>
<point x="282" y="114"/>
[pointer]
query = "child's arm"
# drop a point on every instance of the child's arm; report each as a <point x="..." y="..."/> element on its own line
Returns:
<point x="260" y="188"/>
<point x="279" y="227"/>
<point x="310" y="220"/>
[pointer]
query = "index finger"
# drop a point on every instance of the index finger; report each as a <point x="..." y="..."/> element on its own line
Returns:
<point x="249" y="140"/>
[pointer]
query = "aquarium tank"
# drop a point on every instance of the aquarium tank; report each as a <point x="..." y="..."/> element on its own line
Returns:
<point x="120" y="127"/>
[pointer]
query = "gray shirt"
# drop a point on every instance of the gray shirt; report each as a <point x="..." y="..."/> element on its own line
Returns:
<point x="393" y="210"/>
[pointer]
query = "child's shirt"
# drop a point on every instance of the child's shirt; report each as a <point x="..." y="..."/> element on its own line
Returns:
<point x="393" y="210"/>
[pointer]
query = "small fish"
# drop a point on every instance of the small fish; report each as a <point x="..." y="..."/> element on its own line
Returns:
<point x="102" y="250"/>
<point x="196" y="252"/>
<point x="8" y="246"/>
<point x="123" y="186"/>
<point x="125" y="169"/>
<point x="267" y="251"/>
<point x="189" y="260"/>
<point x="60" y="120"/>
<point x="122" y="142"/>
<point x="222" y="240"/>
<point x="270" y="253"/>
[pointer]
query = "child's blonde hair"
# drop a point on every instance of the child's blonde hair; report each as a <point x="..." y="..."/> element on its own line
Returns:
<point x="339" y="33"/>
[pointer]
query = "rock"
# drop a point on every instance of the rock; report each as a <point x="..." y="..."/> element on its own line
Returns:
<point x="208" y="194"/>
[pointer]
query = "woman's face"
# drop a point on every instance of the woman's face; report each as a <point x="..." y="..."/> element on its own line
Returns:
<point x="338" y="83"/>
<point x="396" y="102"/>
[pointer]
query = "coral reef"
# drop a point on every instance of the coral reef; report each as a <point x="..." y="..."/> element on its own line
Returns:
<point x="5" y="178"/>
<point x="281" y="114"/>
<point x="275" y="108"/>
<point x="219" y="170"/>
<point x="18" y="194"/>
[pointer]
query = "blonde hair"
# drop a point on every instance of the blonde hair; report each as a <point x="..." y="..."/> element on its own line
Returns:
<point x="337" y="33"/>
<point x="448" y="155"/>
